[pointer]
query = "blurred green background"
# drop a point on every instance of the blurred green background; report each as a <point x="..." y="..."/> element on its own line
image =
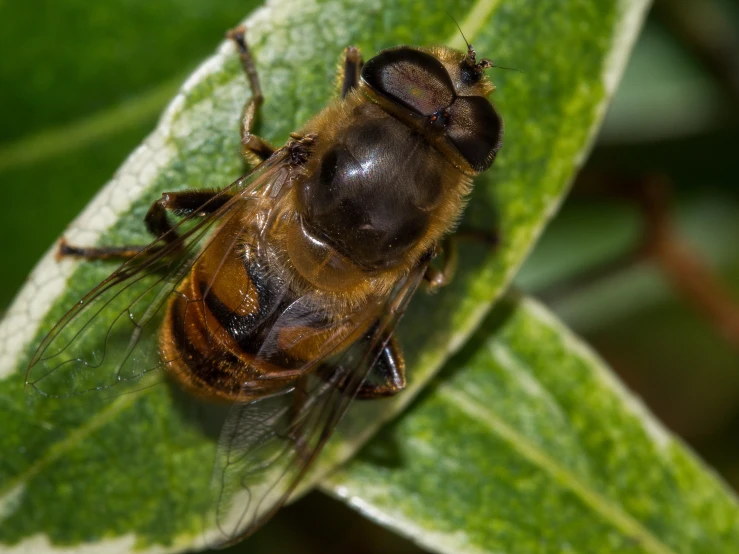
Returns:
<point x="72" y="110"/>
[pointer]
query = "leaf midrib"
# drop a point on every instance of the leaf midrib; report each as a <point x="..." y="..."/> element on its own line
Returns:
<point x="86" y="130"/>
<point x="529" y="451"/>
<point x="58" y="449"/>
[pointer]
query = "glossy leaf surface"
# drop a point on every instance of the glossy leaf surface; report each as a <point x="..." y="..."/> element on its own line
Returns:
<point x="133" y="465"/>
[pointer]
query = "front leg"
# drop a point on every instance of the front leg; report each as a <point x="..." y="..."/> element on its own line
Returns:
<point x="254" y="148"/>
<point x="350" y="72"/>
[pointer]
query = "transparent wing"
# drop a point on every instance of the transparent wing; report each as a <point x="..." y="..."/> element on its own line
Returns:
<point x="269" y="439"/>
<point x="267" y="445"/>
<point x="110" y="337"/>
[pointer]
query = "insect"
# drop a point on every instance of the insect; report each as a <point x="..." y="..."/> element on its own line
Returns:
<point x="279" y="294"/>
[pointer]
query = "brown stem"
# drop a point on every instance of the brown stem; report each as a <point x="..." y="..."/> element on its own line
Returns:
<point x="687" y="272"/>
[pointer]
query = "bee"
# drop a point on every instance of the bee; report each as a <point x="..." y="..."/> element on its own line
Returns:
<point x="279" y="293"/>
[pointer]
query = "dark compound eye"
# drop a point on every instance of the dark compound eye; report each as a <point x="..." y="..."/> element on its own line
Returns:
<point x="476" y="130"/>
<point x="410" y="78"/>
<point x="418" y="81"/>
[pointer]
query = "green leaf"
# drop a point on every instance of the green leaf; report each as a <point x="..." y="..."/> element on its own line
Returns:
<point x="85" y="84"/>
<point x="527" y="443"/>
<point x="132" y="466"/>
<point x="78" y="57"/>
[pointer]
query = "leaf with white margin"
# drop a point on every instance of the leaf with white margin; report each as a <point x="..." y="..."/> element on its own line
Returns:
<point x="526" y="442"/>
<point x="133" y="467"/>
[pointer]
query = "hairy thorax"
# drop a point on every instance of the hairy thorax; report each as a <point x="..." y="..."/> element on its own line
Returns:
<point x="376" y="198"/>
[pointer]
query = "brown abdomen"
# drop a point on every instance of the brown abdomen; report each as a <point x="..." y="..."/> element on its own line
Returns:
<point x="234" y="330"/>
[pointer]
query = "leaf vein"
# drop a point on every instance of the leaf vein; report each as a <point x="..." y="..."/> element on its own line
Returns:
<point x="58" y="449"/>
<point x="619" y="519"/>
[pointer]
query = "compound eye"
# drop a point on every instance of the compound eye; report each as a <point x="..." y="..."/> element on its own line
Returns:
<point x="476" y="130"/>
<point x="411" y="78"/>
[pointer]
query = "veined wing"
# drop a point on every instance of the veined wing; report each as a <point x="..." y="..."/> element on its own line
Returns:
<point x="110" y="336"/>
<point x="267" y="445"/>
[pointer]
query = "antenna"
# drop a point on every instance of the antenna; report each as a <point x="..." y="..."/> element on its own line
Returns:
<point x="508" y="68"/>
<point x="460" y="29"/>
<point x="471" y="50"/>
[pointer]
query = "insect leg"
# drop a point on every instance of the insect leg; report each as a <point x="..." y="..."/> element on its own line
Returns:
<point x="437" y="278"/>
<point x="349" y="76"/>
<point x="255" y="149"/>
<point x="295" y="434"/>
<point x="96" y="253"/>
<point x="440" y="277"/>
<point x="180" y="203"/>
<point x="385" y="378"/>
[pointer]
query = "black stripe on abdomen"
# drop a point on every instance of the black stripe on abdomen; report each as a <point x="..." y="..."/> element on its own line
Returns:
<point x="215" y="368"/>
<point x="257" y="333"/>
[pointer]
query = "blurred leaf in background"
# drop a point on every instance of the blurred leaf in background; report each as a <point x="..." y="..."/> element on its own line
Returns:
<point x="676" y="116"/>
